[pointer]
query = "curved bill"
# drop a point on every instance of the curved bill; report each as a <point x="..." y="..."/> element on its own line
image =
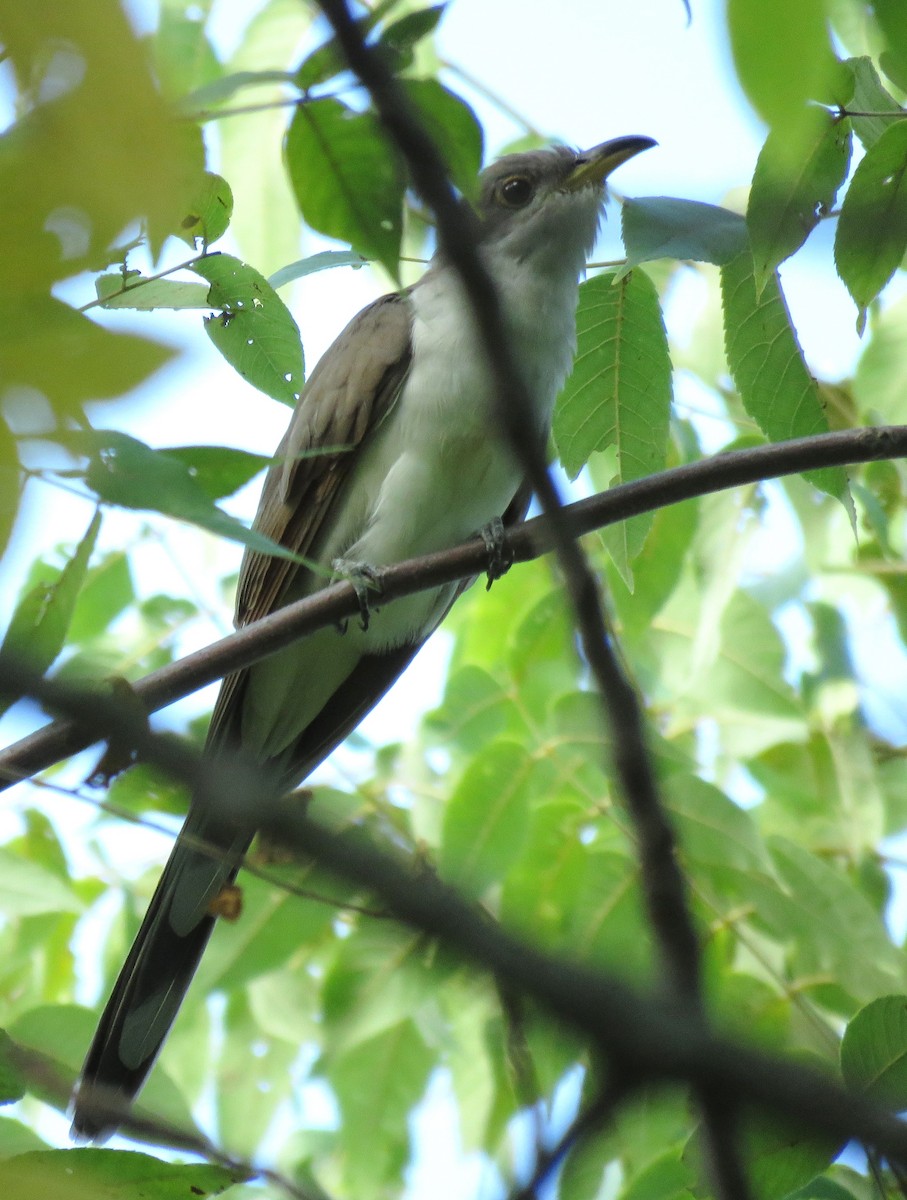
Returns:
<point x="595" y="165"/>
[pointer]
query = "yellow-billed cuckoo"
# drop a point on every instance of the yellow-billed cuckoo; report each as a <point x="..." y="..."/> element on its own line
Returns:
<point x="406" y="392"/>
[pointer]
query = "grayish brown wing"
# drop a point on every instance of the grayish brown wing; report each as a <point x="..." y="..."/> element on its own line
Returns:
<point x="349" y="393"/>
<point x="347" y="396"/>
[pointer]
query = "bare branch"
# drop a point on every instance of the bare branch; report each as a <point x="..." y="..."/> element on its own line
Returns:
<point x="524" y="543"/>
<point x="647" y="1038"/>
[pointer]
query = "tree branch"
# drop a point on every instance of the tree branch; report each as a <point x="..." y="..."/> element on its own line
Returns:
<point x="648" y="1038"/>
<point x="524" y="543"/>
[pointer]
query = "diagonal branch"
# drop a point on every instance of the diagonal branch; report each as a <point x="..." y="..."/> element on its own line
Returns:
<point x="525" y="543"/>
<point x="649" y="1038"/>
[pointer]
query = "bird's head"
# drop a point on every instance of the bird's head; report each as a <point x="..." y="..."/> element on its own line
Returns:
<point x="550" y="200"/>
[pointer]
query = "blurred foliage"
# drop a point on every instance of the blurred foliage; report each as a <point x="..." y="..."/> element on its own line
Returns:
<point x="781" y="779"/>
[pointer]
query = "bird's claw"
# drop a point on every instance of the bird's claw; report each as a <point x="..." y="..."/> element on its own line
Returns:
<point x="363" y="578"/>
<point x="500" y="557"/>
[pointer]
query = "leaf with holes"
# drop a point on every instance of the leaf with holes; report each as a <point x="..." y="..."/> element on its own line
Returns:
<point x="254" y="331"/>
<point x="209" y="212"/>
<point x="219" y="470"/>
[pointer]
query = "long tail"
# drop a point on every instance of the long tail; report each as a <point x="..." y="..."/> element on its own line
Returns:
<point x="154" y="979"/>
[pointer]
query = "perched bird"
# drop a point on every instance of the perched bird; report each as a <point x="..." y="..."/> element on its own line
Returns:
<point x="405" y="391"/>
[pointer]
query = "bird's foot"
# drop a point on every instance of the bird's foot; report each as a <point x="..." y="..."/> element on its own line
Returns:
<point x="363" y="578"/>
<point x="500" y="558"/>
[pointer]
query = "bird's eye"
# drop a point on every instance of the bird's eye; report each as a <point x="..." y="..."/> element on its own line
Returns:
<point x="515" y="192"/>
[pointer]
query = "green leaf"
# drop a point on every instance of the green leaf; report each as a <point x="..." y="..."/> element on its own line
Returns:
<point x="275" y="926"/>
<point x="255" y="331"/>
<point x="618" y="393"/>
<point x="133" y="290"/>
<point x="823" y="793"/>
<point x="26" y="888"/>
<point x="38" y="628"/>
<point x="404" y="34"/>
<point x="475" y="710"/>
<point x="61" y="1034"/>
<point x="209" y="212"/>
<point x="874" y="1051"/>
<point x="783" y="1158"/>
<point x="767" y="365"/>
<point x="106" y="592"/>
<point x="656" y="569"/>
<point x="835" y="934"/>
<point x="667" y="1177"/>
<point x="453" y="127"/>
<point x="328" y="60"/>
<point x="890" y="16"/>
<point x="211" y="94"/>
<point x="880" y="380"/>
<point x="824" y="1188"/>
<point x="716" y="836"/>
<point x="103" y="152"/>
<point x="786" y="199"/>
<point x="871" y="97"/>
<point x="16" y="1138"/>
<point x="126" y="472"/>
<point x="486" y="819"/>
<point x="12" y="1084"/>
<point x="183" y="57"/>
<point x="254" y="1076"/>
<point x="265" y="221"/>
<point x="10" y="485"/>
<point x="346" y="178"/>
<point x="109" y="1175"/>
<point x="661" y="227"/>
<point x="143" y="788"/>
<point x="323" y="261"/>
<point x="49" y="346"/>
<point x="720" y="654"/>
<point x="377" y="1084"/>
<point x="379" y="977"/>
<point x="872" y="229"/>
<point x="783" y="58"/>
<point x="219" y="470"/>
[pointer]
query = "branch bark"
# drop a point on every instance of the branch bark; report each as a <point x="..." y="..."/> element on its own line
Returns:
<point x="525" y="543"/>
